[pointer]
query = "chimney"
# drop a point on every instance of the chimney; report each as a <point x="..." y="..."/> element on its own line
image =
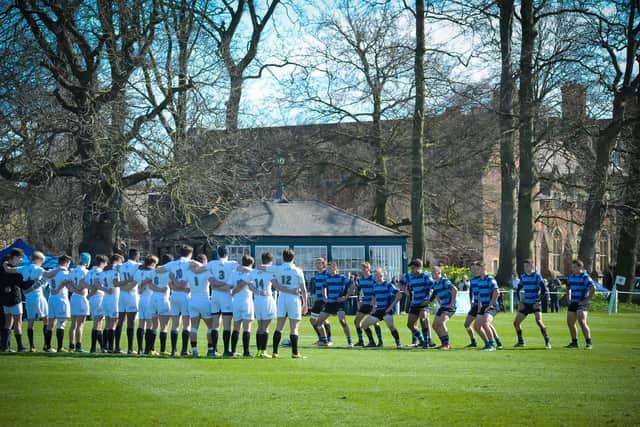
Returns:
<point x="574" y="101"/>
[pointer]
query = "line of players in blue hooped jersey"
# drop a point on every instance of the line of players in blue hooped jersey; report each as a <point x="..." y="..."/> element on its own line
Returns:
<point x="228" y="295"/>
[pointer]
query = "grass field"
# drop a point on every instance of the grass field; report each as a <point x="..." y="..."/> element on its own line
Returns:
<point x="341" y="386"/>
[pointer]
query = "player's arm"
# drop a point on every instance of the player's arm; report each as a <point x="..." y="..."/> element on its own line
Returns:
<point x="218" y="285"/>
<point x="590" y="294"/>
<point x="325" y="297"/>
<point x="240" y="284"/>
<point x="454" y="294"/>
<point x="303" y="292"/>
<point x="197" y="268"/>
<point x="494" y="297"/>
<point x="9" y="269"/>
<point x="398" y="297"/>
<point x="51" y="273"/>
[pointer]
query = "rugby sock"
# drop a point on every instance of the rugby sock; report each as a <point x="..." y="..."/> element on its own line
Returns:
<point x="105" y="339"/>
<point x="174" y="340"/>
<point x="60" y="337"/>
<point x="94" y="339"/>
<point x="214" y="339"/>
<point x="359" y="332"/>
<point x="473" y="341"/>
<point x="100" y="338"/>
<point x="78" y="346"/>
<point x="259" y="340"/>
<point x="416" y="335"/>
<point x="444" y="339"/>
<point x="327" y="328"/>
<point x="498" y="341"/>
<point x="163" y="342"/>
<point x="574" y="341"/>
<point x="265" y="340"/>
<point x="369" y="334"/>
<point x="19" y="341"/>
<point x="378" y="332"/>
<point x="234" y="340"/>
<point x="349" y="340"/>
<point x="47" y="338"/>
<point x="152" y="338"/>
<point x="129" y="339"/>
<point x="396" y="336"/>
<point x="543" y="331"/>
<point x="588" y="341"/>
<point x="186" y="337"/>
<point x="246" y="339"/>
<point x="194" y="345"/>
<point x="427" y="335"/>
<point x="519" y="333"/>
<point x="315" y="328"/>
<point x="118" y="334"/>
<point x="7" y="340"/>
<point x="294" y="343"/>
<point x="277" y="335"/>
<point x="3" y="339"/>
<point x="226" y="336"/>
<point x="139" y="337"/>
<point x="30" y="336"/>
<point x="147" y="341"/>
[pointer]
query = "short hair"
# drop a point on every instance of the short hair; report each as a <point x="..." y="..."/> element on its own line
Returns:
<point x="64" y="259"/>
<point x="186" y="250"/>
<point x="133" y="253"/>
<point x="267" y="257"/>
<point x="16" y="252"/>
<point x="416" y="262"/>
<point x="149" y="260"/>
<point x="528" y="261"/>
<point x="202" y="258"/>
<point x="116" y="257"/>
<point x="223" y="251"/>
<point x="37" y="255"/>
<point x="322" y="260"/>
<point x="100" y="259"/>
<point x="288" y="255"/>
<point x="379" y="270"/>
<point x="366" y="265"/>
<point x="333" y="264"/>
<point x="166" y="258"/>
<point x="478" y="263"/>
<point x="247" y="260"/>
<point x="578" y="262"/>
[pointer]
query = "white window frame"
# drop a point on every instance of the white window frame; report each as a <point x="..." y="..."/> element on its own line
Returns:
<point x="391" y="264"/>
<point x="236" y="252"/>
<point x="555" y="252"/>
<point x="351" y="263"/>
<point x="308" y="262"/>
<point x="276" y="250"/>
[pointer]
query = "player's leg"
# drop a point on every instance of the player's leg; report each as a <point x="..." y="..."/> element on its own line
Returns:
<point x="357" y="322"/>
<point x="277" y="335"/>
<point x="294" y="326"/>
<point x="543" y="328"/>
<point x="131" y="321"/>
<point x="426" y="329"/>
<point x="388" y="319"/>
<point x="175" y="327"/>
<point x="342" y="318"/>
<point x="216" y="317"/>
<point x="572" y="317"/>
<point x="479" y="326"/>
<point x="195" y="323"/>
<point x="186" y="333"/>
<point x="582" y="319"/>
<point x="122" y="315"/>
<point x="467" y="326"/>
<point x="246" y="335"/>
<point x="163" y="328"/>
<point x="520" y="316"/>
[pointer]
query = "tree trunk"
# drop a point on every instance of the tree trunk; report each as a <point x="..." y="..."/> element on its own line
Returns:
<point x="524" y="243"/>
<point x="417" y="155"/>
<point x="629" y="233"/>
<point x="233" y="102"/>
<point x="507" y="142"/>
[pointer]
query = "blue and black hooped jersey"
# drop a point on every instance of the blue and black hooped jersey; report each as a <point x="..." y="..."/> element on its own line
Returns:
<point x="385" y="292"/>
<point x="533" y="287"/>
<point x="442" y="288"/>
<point x="320" y="278"/>
<point x="336" y="286"/>
<point x="421" y="285"/>
<point x="486" y="284"/>
<point x="474" y="291"/>
<point x="365" y="288"/>
<point x="580" y="286"/>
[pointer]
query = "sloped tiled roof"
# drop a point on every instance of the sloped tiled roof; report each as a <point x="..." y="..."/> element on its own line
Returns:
<point x="298" y="219"/>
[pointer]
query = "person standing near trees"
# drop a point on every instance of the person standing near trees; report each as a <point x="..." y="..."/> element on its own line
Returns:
<point x="554" y="288"/>
<point x="532" y="289"/>
<point x="580" y="290"/>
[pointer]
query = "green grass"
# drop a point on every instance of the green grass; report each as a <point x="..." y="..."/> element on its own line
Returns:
<point x="340" y="386"/>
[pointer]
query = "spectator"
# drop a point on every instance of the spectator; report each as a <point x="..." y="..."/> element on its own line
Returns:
<point x="544" y="301"/>
<point x="463" y="285"/>
<point x="554" y="289"/>
<point x="515" y="281"/>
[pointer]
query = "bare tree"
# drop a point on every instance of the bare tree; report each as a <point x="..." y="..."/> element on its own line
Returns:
<point x="90" y="53"/>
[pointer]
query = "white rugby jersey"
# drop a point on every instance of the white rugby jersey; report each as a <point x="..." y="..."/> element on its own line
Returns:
<point x="160" y="280"/>
<point x="106" y="281"/>
<point x="140" y="276"/>
<point x="221" y="269"/>
<point x="198" y="283"/>
<point x="262" y="281"/>
<point x="238" y="276"/>
<point x="77" y="276"/>
<point x="56" y="282"/>
<point x="33" y="272"/>
<point x="178" y="267"/>
<point x="287" y="275"/>
<point x="91" y="276"/>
